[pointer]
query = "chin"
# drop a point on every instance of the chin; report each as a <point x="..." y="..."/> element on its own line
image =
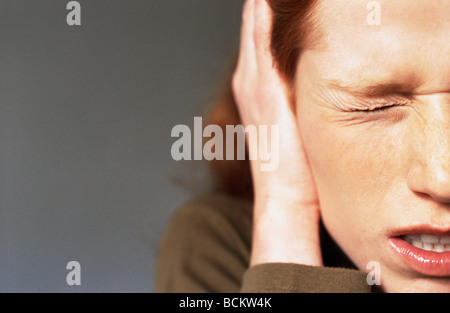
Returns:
<point x="417" y="285"/>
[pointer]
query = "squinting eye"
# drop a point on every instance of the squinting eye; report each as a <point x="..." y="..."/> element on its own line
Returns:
<point x="388" y="113"/>
<point x="378" y="110"/>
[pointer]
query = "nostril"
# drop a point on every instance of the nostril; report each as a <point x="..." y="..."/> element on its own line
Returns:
<point x="441" y="198"/>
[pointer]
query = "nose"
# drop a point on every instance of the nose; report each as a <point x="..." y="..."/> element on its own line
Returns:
<point x="430" y="172"/>
<point x="431" y="180"/>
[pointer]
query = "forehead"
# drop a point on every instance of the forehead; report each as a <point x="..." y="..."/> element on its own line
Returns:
<point x="412" y="42"/>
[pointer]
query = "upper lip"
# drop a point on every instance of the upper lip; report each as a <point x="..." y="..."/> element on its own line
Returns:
<point x="422" y="229"/>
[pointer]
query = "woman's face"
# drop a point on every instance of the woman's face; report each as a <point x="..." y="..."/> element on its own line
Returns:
<point x="373" y="105"/>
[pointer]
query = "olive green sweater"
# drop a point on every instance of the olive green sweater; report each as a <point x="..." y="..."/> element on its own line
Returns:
<point x="207" y="249"/>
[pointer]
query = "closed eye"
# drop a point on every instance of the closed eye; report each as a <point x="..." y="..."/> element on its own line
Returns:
<point x="392" y="113"/>
<point x="377" y="109"/>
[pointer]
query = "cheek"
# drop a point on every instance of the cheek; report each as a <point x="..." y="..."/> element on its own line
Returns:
<point x="356" y="169"/>
<point x="351" y="160"/>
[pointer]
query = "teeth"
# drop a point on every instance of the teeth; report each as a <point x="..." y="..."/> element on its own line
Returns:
<point x="429" y="238"/>
<point x="429" y="242"/>
<point x="445" y="240"/>
<point x="417" y="243"/>
<point x="438" y="247"/>
<point x="414" y="237"/>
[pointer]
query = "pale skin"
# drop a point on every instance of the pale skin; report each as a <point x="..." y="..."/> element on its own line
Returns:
<point x="366" y="174"/>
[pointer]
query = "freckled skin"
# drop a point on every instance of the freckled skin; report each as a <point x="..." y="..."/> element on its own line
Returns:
<point x="390" y="170"/>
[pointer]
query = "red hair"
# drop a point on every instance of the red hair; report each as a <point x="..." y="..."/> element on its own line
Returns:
<point x="291" y="29"/>
<point x="291" y="32"/>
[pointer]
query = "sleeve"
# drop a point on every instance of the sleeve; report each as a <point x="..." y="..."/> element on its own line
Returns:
<point x="296" y="278"/>
<point x="205" y="249"/>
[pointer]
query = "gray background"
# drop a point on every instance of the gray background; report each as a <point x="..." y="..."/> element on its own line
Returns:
<point x="86" y="113"/>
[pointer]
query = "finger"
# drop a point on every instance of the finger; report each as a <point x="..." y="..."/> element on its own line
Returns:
<point x="269" y="74"/>
<point x="247" y="47"/>
<point x="262" y="34"/>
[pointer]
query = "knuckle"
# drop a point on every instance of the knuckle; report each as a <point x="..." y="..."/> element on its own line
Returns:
<point x="235" y="82"/>
<point x="237" y="87"/>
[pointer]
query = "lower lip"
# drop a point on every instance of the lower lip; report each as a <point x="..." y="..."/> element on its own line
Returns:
<point x="428" y="263"/>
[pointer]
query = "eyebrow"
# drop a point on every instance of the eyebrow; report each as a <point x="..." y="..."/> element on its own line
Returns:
<point x="374" y="90"/>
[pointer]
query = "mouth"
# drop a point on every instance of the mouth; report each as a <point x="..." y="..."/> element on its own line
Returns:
<point x="424" y="251"/>
<point x="429" y="242"/>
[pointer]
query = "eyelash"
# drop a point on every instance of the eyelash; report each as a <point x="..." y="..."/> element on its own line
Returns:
<point x="378" y="109"/>
<point x="380" y="113"/>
